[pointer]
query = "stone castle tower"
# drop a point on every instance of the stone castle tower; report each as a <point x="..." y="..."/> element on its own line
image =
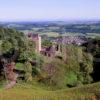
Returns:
<point x="37" y="39"/>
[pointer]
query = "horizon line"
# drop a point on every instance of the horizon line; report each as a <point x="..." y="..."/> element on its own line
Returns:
<point x="43" y="20"/>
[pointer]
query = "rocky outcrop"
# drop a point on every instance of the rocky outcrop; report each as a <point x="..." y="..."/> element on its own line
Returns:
<point x="11" y="76"/>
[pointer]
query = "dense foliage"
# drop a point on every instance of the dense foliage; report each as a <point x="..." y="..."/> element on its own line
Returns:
<point x="93" y="47"/>
<point x="73" y="67"/>
<point x="15" y="47"/>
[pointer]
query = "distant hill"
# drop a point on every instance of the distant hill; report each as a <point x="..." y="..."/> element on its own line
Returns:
<point x="56" y="26"/>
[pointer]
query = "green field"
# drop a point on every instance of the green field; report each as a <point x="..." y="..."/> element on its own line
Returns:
<point x="32" y="92"/>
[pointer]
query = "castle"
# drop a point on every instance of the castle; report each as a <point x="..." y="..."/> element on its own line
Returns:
<point x="37" y="39"/>
<point x="46" y="51"/>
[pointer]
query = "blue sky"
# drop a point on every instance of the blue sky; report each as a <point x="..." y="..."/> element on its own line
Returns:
<point x="49" y="9"/>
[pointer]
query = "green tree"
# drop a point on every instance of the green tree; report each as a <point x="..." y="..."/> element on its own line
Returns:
<point x="6" y="46"/>
<point x="86" y="67"/>
<point x="46" y="43"/>
<point x="28" y="71"/>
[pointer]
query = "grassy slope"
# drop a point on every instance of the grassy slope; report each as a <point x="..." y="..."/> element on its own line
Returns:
<point x="30" y="92"/>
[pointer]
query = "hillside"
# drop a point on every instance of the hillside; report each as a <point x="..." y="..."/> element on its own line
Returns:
<point x="59" y="75"/>
<point x="31" y="92"/>
<point x="60" y="27"/>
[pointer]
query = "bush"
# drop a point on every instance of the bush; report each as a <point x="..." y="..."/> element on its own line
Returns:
<point x="71" y="79"/>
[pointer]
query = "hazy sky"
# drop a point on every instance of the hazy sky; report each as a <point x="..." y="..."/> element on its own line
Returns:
<point x="49" y="9"/>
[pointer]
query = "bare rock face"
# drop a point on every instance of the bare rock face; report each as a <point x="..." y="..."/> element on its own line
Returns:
<point x="10" y="85"/>
<point x="10" y="75"/>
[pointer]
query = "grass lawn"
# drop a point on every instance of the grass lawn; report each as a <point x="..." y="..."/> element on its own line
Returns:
<point x="32" y="92"/>
<point x="51" y="34"/>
